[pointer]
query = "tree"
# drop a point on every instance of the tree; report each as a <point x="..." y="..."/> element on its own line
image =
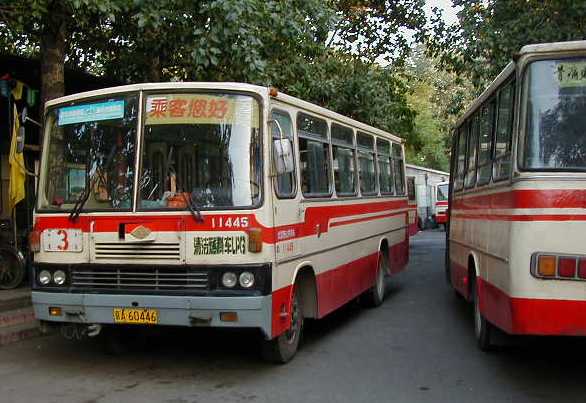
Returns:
<point x="377" y="29"/>
<point x="439" y="97"/>
<point x="490" y="32"/>
<point x="321" y="51"/>
<point x="48" y="25"/>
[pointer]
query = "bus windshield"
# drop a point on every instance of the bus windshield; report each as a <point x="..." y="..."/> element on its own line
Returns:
<point x="442" y="192"/>
<point x="91" y="155"/>
<point x="200" y="149"/>
<point x="556" y="115"/>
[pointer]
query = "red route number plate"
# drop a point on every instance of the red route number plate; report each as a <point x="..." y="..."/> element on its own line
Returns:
<point x="140" y="316"/>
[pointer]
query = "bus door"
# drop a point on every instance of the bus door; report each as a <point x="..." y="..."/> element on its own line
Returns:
<point x="286" y="207"/>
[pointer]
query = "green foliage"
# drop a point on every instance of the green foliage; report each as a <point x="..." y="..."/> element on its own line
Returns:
<point x="321" y="51"/>
<point x="490" y="32"/>
<point x="439" y="98"/>
<point x="374" y="28"/>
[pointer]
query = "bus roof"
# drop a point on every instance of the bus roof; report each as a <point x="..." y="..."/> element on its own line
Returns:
<point x="230" y="86"/>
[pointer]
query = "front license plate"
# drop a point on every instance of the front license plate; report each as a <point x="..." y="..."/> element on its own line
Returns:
<point x="141" y="316"/>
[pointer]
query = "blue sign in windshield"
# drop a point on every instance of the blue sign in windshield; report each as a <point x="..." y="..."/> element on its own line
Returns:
<point x="91" y="112"/>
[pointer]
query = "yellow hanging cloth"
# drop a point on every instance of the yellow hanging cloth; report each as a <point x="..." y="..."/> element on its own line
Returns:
<point x="17" y="91"/>
<point x="17" y="172"/>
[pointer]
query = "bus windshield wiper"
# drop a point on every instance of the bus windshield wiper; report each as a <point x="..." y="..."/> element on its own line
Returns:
<point x="85" y="194"/>
<point x="83" y="198"/>
<point x="193" y="208"/>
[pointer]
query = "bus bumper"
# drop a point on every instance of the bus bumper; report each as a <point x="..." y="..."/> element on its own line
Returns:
<point x="532" y="316"/>
<point x="252" y="312"/>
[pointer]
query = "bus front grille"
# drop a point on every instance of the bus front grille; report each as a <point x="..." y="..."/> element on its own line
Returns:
<point x="129" y="251"/>
<point x="163" y="279"/>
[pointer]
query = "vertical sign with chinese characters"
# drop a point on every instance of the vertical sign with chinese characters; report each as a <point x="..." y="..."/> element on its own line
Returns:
<point x="188" y="109"/>
<point x="571" y="74"/>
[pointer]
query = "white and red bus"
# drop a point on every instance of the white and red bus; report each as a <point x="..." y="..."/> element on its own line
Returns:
<point x="440" y="215"/>
<point x="518" y="199"/>
<point x="422" y="191"/>
<point x="212" y="204"/>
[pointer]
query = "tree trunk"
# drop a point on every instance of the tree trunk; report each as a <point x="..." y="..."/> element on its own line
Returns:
<point x="53" y="55"/>
<point x="154" y="70"/>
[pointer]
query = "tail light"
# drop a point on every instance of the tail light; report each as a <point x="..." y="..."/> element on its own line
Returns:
<point x="34" y="241"/>
<point x="255" y="240"/>
<point x="567" y="267"/>
<point x="546" y="266"/>
<point x="561" y="267"/>
<point x="582" y="268"/>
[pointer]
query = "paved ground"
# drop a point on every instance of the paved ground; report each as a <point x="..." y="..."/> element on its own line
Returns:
<point x="417" y="347"/>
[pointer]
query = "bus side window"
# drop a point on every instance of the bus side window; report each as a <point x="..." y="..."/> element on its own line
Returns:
<point x="485" y="143"/>
<point x="504" y="126"/>
<point x="398" y="169"/>
<point x="366" y="169"/>
<point x="383" y="149"/>
<point x="471" y="154"/>
<point x="459" y="174"/>
<point x="284" y="184"/>
<point x="314" y="156"/>
<point x="344" y="157"/>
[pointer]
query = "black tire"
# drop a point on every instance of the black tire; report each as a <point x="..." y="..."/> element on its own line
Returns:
<point x="12" y="269"/>
<point x="483" y="329"/>
<point x="283" y="348"/>
<point x="376" y="294"/>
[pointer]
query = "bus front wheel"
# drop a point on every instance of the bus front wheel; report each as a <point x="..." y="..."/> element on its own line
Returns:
<point x="283" y="348"/>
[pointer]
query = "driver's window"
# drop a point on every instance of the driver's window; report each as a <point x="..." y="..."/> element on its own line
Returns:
<point x="284" y="183"/>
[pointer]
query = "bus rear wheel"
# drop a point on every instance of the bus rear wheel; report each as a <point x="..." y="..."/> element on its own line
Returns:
<point x="283" y="348"/>
<point x="375" y="296"/>
<point x="483" y="329"/>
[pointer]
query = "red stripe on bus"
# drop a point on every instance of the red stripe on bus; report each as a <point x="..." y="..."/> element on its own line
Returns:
<point x="377" y="217"/>
<point x="441" y="203"/>
<point x="524" y="198"/>
<point x="314" y="216"/>
<point x="522" y="217"/>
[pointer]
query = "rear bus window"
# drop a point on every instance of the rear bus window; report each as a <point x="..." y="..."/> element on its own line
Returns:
<point x="343" y="151"/>
<point x="366" y="164"/>
<point x="383" y="149"/>
<point x="398" y="169"/>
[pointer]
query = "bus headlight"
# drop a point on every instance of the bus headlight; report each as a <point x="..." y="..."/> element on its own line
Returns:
<point x="229" y="279"/>
<point x="44" y="277"/>
<point x="246" y="279"/>
<point x="59" y="277"/>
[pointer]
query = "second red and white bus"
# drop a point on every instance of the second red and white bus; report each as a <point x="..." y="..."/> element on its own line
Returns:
<point x="518" y="201"/>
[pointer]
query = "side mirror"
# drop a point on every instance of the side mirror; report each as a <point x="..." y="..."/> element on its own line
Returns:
<point x="283" y="156"/>
<point x="20" y="140"/>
